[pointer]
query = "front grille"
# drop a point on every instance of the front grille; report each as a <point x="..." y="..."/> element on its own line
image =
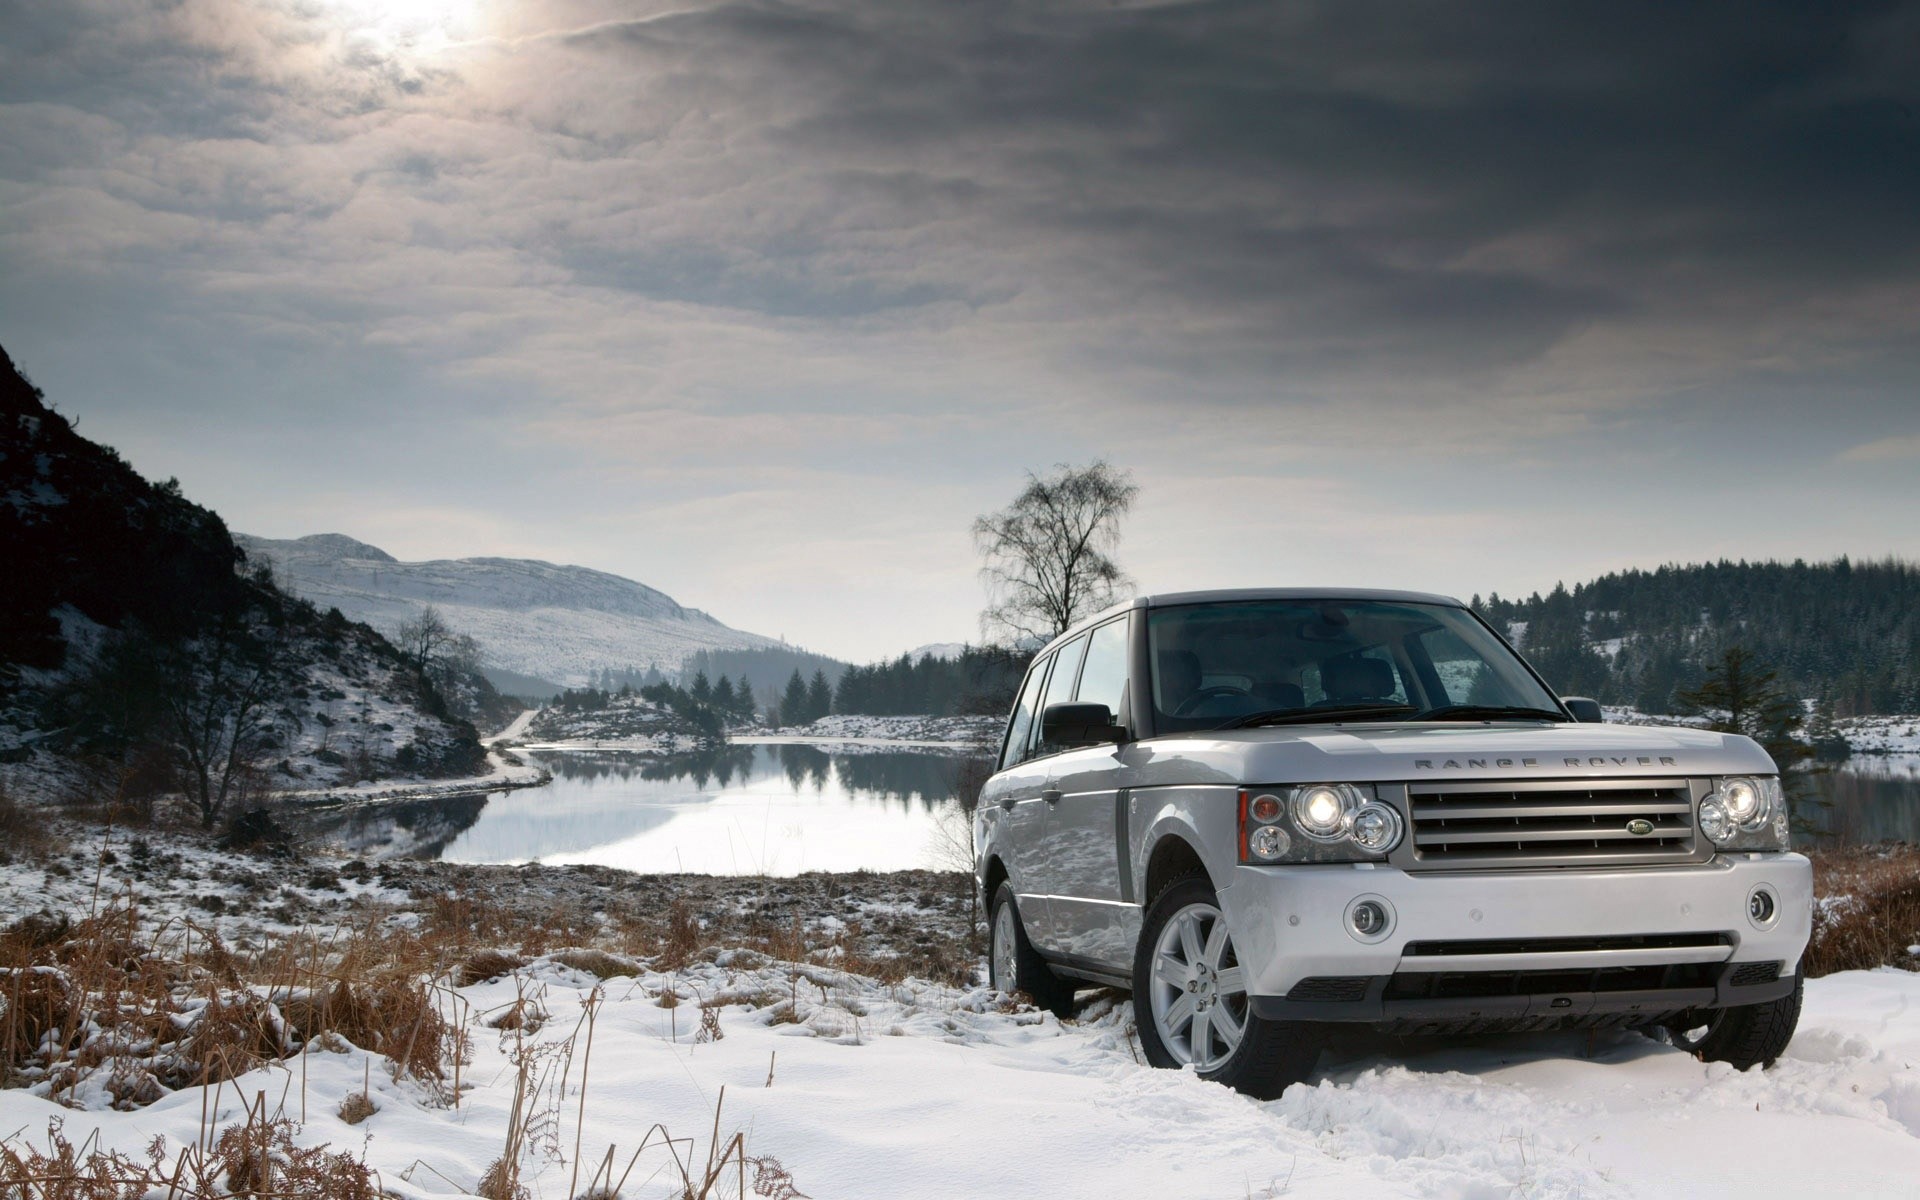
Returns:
<point x="1331" y="989"/>
<point x="1754" y="974"/>
<point x="1565" y="823"/>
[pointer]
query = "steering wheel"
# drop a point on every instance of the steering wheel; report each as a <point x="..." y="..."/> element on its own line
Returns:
<point x="1183" y="709"/>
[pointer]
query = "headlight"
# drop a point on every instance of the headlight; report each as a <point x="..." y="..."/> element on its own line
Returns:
<point x="1746" y="812"/>
<point x="1322" y="811"/>
<point x="1322" y="822"/>
<point x="1376" y="827"/>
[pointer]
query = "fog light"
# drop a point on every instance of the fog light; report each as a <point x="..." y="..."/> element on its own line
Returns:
<point x="1368" y="918"/>
<point x="1269" y="841"/>
<point x="1762" y="908"/>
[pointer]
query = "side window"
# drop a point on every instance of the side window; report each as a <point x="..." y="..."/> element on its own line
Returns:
<point x="1021" y="725"/>
<point x="1104" y="679"/>
<point x="1066" y="667"/>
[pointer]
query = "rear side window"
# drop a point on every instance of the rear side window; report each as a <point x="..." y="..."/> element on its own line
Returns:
<point x="1066" y="667"/>
<point x="1020" y="727"/>
<point x="1104" y="679"/>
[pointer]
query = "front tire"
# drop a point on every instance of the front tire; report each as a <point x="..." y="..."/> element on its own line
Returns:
<point x="1746" y="1036"/>
<point x="1191" y="1005"/>
<point x="1013" y="965"/>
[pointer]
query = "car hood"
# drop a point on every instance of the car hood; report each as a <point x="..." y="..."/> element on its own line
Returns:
<point x="1436" y="750"/>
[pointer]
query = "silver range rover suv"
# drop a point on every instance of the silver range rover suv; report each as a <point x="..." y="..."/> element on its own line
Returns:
<point x="1266" y="812"/>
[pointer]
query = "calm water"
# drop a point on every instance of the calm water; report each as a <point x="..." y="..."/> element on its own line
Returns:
<point x="1870" y="799"/>
<point x="780" y="810"/>
<point x="775" y="810"/>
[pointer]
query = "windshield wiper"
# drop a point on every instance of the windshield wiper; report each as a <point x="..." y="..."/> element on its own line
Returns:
<point x="1479" y="712"/>
<point x="1313" y="716"/>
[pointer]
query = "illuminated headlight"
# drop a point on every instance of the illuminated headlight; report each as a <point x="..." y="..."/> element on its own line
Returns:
<point x="1746" y="812"/>
<point x="1376" y="827"/>
<point x="1322" y="811"/>
<point x="1745" y="806"/>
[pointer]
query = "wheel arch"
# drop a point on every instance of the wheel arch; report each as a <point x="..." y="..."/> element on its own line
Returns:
<point x="1174" y="854"/>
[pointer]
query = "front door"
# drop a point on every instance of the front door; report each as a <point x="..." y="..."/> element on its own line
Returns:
<point x="1093" y="917"/>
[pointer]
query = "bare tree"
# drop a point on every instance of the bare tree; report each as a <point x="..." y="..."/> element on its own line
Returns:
<point x="1049" y="555"/>
<point x="221" y="716"/>
<point x="423" y="638"/>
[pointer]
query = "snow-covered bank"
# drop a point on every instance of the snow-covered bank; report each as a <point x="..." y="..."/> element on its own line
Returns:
<point x="954" y="733"/>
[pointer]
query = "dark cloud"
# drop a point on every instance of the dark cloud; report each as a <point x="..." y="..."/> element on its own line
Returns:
<point x="1262" y="233"/>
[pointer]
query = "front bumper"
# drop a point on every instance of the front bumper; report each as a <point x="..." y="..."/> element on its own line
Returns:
<point x="1518" y="946"/>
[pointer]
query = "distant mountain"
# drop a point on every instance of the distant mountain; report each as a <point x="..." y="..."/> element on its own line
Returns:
<point x="532" y="618"/>
<point x="945" y="651"/>
<point x="1844" y="632"/>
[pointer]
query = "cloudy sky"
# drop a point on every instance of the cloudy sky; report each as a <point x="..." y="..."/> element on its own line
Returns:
<point x="761" y="302"/>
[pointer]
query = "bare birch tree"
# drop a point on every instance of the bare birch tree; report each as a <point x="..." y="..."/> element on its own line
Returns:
<point x="1049" y="555"/>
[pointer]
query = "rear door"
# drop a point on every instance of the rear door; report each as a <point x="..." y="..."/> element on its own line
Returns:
<point x="1093" y="919"/>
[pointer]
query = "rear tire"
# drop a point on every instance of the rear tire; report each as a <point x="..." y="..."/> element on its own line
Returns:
<point x="1013" y="965"/>
<point x="1746" y="1036"/>
<point x="1191" y="1006"/>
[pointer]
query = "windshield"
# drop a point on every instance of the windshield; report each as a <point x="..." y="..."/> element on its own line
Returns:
<point x="1244" y="662"/>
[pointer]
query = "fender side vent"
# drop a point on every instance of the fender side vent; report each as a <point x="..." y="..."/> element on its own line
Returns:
<point x="1755" y="974"/>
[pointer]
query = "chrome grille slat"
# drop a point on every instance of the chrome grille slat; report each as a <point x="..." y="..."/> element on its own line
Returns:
<point x="1550" y="823"/>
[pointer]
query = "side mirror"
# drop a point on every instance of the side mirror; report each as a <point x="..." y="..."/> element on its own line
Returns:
<point x="1079" y="725"/>
<point x="1584" y="710"/>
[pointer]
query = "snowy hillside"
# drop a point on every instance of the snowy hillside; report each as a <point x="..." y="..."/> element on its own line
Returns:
<point x="555" y="622"/>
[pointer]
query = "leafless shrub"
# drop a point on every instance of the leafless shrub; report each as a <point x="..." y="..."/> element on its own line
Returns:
<point x="482" y="965"/>
<point x="1868" y="913"/>
<point x="357" y="1107"/>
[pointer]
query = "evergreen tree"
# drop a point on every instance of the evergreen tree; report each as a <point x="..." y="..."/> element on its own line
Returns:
<point x="743" y="701"/>
<point x="701" y="691"/>
<point x="793" y="702"/>
<point x="1740" y="696"/>
<point x="723" y="697"/>
<point x="819" y="696"/>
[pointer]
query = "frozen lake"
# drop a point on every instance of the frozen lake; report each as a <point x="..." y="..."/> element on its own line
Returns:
<point x="772" y="810"/>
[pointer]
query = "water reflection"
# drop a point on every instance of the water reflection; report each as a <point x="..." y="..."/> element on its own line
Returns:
<point x="736" y="809"/>
<point x="1873" y="798"/>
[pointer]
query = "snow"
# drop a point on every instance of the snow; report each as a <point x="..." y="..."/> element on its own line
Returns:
<point x="932" y="1092"/>
<point x="562" y="623"/>
<point x="858" y="730"/>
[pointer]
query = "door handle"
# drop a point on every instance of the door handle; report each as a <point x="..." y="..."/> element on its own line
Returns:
<point x="1050" y="795"/>
<point x="1007" y="802"/>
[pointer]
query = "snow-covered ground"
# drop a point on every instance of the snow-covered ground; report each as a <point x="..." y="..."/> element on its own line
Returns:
<point x="865" y="1090"/>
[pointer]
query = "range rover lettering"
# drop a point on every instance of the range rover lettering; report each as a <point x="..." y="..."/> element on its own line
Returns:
<point x="1267" y="812"/>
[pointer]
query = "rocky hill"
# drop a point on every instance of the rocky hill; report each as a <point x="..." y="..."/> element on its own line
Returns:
<point x="560" y="623"/>
<point x="141" y="658"/>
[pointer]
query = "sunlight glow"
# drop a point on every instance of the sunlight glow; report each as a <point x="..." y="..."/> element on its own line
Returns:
<point x="420" y="25"/>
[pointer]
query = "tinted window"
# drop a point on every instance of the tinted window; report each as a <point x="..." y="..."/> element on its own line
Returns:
<point x="1021" y="726"/>
<point x="1104" y="679"/>
<point x="1066" y="666"/>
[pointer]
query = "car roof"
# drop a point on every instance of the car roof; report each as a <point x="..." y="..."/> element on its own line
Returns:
<point x="1218" y="595"/>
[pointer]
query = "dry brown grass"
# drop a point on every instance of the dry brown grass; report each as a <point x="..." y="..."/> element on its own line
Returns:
<point x="357" y="1107"/>
<point x="1868" y="912"/>
<point x="256" y="1158"/>
<point x="482" y="965"/>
